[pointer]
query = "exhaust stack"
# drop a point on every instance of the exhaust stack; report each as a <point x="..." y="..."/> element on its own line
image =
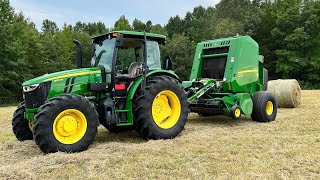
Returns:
<point x="79" y="53"/>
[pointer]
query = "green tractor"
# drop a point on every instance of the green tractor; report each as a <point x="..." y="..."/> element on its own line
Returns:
<point x="227" y="76"/>
<point x="127" y="87"/>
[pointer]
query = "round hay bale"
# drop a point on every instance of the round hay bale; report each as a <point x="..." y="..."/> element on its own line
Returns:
<point x="286" y="91"/>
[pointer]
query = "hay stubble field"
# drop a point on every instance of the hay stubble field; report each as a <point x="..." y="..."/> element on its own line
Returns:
<point x="209" y="147"/>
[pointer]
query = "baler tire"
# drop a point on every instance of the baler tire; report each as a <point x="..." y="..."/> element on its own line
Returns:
<point x="235" y="112"/>
<point x="260" y="102"/>
<point x="48" y="114"/>
<point x="144" y="123"/>
<point x="20" y="125"/>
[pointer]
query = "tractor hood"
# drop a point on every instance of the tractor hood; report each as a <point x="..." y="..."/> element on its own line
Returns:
<point x="62" y="75"/>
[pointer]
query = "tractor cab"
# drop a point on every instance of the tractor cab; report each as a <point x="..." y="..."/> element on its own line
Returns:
<point x="122" y="52"/>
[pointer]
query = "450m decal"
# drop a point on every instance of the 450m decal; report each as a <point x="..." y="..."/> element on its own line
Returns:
<point x="69" y="85"/>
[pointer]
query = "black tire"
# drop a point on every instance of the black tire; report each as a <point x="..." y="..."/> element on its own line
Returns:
<point x="118" y="129"/>
<point x="265" y="79"/>
<point x="235" y="112"/>
<point x="260" y="100"/>
<point x="20" y="125"/>
<point x="47" y="113"/>
<point x="144" y="122"/>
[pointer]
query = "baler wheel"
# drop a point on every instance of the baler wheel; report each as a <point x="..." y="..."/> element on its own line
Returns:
<point x="20" y="125"/>
<point x="264" y="107"/>
<point x="235" y="112"/>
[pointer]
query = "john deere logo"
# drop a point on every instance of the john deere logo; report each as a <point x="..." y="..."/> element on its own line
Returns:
<point x="215" y="44"/>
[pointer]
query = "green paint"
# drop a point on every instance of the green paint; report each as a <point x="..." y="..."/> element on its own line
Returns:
<point x="133" y="33"/>
<point x="30" y="113"/>
<point x="207" y="84"/>
<point x="121" y="111"/>
<point x="62" y="75"/>
<point x="245" y="102"/>
<point x="242" y="67"/>
<point x="243" y="75"/>
<point x="157" y="72"/>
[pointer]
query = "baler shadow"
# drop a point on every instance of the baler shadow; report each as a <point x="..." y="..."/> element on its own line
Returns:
<point x="218" y="120"/>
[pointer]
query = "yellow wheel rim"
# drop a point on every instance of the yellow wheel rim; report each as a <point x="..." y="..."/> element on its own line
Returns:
<point x="69" y="126"/>
<point x="166" y="109"/>
<point x="269" y="108"/>
<point x="237" y="112"/>
<point x="30" y="124"/>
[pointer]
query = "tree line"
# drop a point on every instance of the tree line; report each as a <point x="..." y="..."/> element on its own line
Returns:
<point x="286" y="30"/>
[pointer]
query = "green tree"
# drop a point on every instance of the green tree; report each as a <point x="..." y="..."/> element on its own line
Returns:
<point x="175" y="26"/>
<point x="20" y="52"/>
<point x="227" y="28"/>
<point x="181" y="51"/>
<point x="158" y="29"/>
<point x="122" y="24"/>
<point x="49" y="26"/>
<point x="244" y="11"/>
<point x="277" y="34"/>
<point x="138" y="25"/>
<point x="311" y="19"/>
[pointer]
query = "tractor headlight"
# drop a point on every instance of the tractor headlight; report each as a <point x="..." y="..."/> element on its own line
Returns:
<point x="30" y="88"/>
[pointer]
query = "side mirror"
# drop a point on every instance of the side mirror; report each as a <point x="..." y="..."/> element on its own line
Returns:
<point x="167" y="64"/>
<point x="119" y="40"/>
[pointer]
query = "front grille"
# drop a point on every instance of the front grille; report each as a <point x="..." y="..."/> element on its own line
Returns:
<point x="36" y="98"/>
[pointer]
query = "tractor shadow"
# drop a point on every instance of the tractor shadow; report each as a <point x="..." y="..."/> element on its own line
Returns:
<point x="105" y="136"/>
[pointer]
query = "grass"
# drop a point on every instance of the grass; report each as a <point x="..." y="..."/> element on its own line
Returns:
<point x="209" y="147"/>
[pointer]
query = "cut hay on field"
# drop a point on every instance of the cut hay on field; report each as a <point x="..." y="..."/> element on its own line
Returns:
<point x="215" y="147"/>
<point x="287" y="92"/>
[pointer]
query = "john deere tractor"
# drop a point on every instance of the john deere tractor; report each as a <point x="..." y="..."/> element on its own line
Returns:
<point x="127" y="87"/>
<point x="228" y="77"/>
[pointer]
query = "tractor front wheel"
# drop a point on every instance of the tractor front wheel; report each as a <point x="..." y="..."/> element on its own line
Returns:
<point x="161" y="110"/>
<point x="65" y="123"/>
<point x="21" y="127"/>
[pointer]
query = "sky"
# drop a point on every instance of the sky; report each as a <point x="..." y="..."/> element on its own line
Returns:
<point x="71" y="11"/>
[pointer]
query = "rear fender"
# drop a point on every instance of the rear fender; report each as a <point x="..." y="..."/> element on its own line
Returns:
<point x="138" y="82"/>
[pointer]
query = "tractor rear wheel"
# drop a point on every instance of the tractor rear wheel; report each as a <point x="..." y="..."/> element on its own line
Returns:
<point x="65" y="123"/>
<point x="21" y="127"/>
<point x="264" y="107"/>
<point x="161" y="111"/>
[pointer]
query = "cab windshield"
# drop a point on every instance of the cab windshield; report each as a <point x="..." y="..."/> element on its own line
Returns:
<point x="103" y="54"/>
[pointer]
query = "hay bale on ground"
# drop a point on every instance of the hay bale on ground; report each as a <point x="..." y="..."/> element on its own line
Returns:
<point x="286" y="91"/>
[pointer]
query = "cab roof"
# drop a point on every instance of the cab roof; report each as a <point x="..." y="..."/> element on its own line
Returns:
<point x="134" y="35"/>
